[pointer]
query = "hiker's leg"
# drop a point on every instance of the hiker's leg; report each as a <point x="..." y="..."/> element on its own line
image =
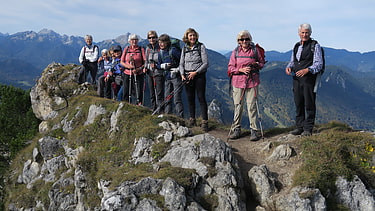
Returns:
<point x="238" y="107"/>
<point x="168" y="91"/>
<point x="299" y="102"/>
<point x="310" y="97"/>
<point x="251" y="98"/>
<point x="177" y="98"/>
<point x="190" y="94"/>
<point x="201" y="92"/>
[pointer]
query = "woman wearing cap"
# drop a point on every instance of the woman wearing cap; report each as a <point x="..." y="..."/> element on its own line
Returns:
<point x="193" y="68"/>
<point x="133" y="59"/>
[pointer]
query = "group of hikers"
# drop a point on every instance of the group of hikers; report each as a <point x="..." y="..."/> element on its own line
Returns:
<point x="168" y="66"/>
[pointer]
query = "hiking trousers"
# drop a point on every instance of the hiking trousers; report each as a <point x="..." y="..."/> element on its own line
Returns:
<point x="198" y="85"/>
<point x="251" y="97"/>
<point x="89" y="67"/>
<point x="304" y="99"/>
<point x="156" y="86"/>
<point x="136" y="88"/>
<point x="171" y="85"/>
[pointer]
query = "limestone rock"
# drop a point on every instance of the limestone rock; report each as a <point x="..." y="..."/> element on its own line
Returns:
<point x="354" y="194"/>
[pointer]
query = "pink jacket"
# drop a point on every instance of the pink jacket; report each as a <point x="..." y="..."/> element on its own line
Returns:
<point x="235" y="63"/>
<point x="138" y="54"/>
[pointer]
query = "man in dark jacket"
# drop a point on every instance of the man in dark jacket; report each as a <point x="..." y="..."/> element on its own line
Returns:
<point x="305" y="63"/>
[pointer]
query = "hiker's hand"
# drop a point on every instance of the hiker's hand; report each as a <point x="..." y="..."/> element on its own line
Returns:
<point x="192" y="75"/>
<point x="183" y="77"/>
<point x="288" y="71"/>
<point x="245" y="70"/>
<point x="303" y="72"/>
<point x="165" y="66"/>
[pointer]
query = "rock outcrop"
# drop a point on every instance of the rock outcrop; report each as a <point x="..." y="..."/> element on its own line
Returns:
<point x="215" y="181"/>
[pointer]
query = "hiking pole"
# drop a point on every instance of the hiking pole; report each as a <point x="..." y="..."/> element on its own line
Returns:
<point x="130" y="78"/>
<point x="144" y="88"/>
<point x="130" y="87"/>
<point x="259" y="117"/>
<point x="135" y="81"/>
<point x="166" y="100"/>
<point x="257" y="106"/>
<point x="154" y="88"/>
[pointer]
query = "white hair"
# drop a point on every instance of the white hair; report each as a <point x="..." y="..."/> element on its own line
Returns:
<point x="133" y="37"/>
<point x="104" y="51"/>
<point x="88" y="37"/>
<point x="305" y="26"/>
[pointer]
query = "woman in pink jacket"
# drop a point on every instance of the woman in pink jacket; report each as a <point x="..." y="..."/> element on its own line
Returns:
<point x="133" y="59"/>
<point x="243" y="68"/>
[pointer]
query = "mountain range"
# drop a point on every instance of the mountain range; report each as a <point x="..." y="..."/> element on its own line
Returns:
<point x="347" y="91"/>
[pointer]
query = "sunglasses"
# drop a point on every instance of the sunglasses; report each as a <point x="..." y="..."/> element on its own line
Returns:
<point x="244" y="39"/>
<point x="152" y="37"/>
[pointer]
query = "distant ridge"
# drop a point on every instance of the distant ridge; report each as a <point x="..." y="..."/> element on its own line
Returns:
<point x="24" y="55"/>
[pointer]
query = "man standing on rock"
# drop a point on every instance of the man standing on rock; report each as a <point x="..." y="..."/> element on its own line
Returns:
<point x="305" y="64"/>
<point x="89" y="60"/>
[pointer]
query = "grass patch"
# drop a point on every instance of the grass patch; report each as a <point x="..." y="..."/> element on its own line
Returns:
<point x="335" y="152"/>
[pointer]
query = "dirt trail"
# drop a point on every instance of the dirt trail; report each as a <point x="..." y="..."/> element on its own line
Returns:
<point x="254" y="153"/>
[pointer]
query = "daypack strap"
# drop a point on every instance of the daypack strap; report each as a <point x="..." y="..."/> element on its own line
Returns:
<point x="253" y="47"/>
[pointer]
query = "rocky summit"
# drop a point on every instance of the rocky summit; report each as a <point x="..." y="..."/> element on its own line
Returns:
<point x="98" y="154"/>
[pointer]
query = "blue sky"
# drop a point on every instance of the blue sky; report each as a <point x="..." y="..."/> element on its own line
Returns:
<point x="339" y="24"/>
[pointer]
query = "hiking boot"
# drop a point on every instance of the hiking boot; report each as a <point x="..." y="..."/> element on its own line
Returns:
<point x="296" y="132"/>
<point x="235" y="134"/>
<point x="191" y="122"/>
<point x="306" y="133"/>
<point x="204" y="125"/>
<point x="253" y="135"/>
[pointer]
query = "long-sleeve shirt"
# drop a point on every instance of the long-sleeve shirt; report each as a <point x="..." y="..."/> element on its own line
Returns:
<point x="243" y="59"/>
<point x="91" y="53"/>
<point x="317" y="61"/>
<point x="117" y="67"/>
<point x="193" y="59"/>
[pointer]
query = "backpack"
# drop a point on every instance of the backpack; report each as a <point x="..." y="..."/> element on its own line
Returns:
<point x="323" y="57"/>
<point x="258" y="53"/>
<point x="176" y="43"/>
<point x="84" y="52"/>
<point x="175" y="62"/>
<point x="187" y="49"/>
<point x="139" y="51"/>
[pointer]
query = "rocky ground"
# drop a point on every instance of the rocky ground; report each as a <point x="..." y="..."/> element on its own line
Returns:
<point x="255" y="153"/>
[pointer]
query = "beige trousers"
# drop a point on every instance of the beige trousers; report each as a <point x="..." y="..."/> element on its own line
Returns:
<point x="250" y="96"/>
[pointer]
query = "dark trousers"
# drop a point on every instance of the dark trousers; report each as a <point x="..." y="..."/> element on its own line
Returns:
<point x="173" y="87"/>
<point x="107" y="89"/>
<point x="89" y="67"/>
<point x="304" y="99"/>
<point x="156" y="85"/>
<point x="198" y="85"/>
<point x="133" y="86"/>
